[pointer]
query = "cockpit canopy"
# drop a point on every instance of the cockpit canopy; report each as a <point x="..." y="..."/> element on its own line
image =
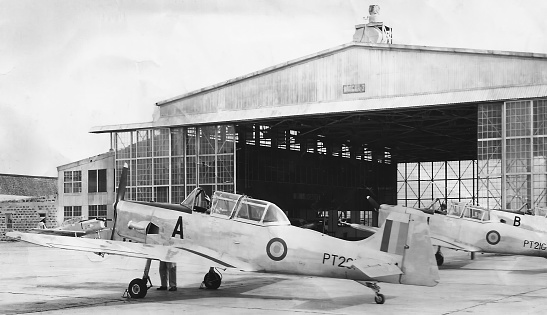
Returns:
<point x="241" y="207"/>
<point x="464" y="210"/>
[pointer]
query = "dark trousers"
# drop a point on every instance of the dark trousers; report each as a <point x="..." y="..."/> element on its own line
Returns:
<point x="168" y="273"/>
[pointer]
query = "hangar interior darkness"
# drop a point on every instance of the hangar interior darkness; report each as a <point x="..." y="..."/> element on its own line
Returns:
<point x="313" y="167"/>
<point x="333" y="162"/>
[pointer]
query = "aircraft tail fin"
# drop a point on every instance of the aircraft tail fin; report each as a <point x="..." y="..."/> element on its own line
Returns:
<point x="406" y="235"/>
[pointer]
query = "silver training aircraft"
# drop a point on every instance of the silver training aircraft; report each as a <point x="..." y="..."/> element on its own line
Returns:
<point x="473" y="229"/>
<point x="236" y="231"/>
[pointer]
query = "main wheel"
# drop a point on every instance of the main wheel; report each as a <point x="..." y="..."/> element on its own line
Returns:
<point x="440" y="259"/>
<point x="379" y="298"/>
<point x="137" y="288"/>
<point x="212" y="280"/>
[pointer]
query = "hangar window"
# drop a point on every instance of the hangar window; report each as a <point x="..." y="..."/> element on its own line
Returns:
<point x="96" y="180"/>
<point x="265" y="138"/>
<point x="72" y="182"/>
<point x="294" y="144"/>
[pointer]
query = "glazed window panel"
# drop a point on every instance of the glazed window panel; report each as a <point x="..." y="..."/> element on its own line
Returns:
<point x="540" y="117"/>
<point x="177" y="176"/>
<point x="225" y="169"/>
<point x="72" y="182"/>
<point x="489" y="121"/>
<point x="207" y="174"/>
<point x="123" y="145"/>
<point x="161" y="194"/>
<point x="207" y="139"/>
<point x="190" y="141"/>
<point x="144" y="172"/>
<point x="96" y="180"/>
<point x="226" y="139"/>
<point x="517" y="192"/>
<point x="144" y="193"/>
<point x="177" y="142"/>
<point x="518" y="119"/>
<point x="177" y="194"/>
<point x="161" y="171"/>
<point x="161" y="142"/>
<point x="144" y="143"/>
<point x="191" y="170"/>
<point x="97" y="211"/>
<point x="518" y="155"/>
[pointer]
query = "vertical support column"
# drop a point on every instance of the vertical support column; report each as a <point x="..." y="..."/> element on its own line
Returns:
<point x="170" y="163"/>
<point x="503" y="156"/>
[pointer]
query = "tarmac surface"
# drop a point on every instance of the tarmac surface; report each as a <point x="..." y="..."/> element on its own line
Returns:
<point x="51" y="281"/>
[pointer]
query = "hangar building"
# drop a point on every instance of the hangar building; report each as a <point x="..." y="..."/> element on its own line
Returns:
<point x="316" y="135"/>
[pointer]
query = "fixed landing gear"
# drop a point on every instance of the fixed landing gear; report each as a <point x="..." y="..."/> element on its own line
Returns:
<point x="212" y="279"/>
<point x="138" y="287"/>
<point x="439" y="256"/>
<point x="379" y="298"/>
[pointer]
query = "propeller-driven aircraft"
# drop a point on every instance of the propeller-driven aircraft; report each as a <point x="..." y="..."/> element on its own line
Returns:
<point x="473" y="229"/>
<point x="82" y="228"/>
<point x="239" y="232"/>
<point x="534" y="222"/>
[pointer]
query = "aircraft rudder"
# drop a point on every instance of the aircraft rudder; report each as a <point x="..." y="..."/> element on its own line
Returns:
<point x="419" y="266"/>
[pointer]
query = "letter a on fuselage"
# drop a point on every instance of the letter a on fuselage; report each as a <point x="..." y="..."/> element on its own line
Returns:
<point x="178" y="228"/>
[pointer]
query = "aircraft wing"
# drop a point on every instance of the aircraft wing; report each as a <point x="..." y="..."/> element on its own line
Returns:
<point x="439" y="240"/>
<point x="380" y="269"/>
<point x="59" y="232"/>
<point x="179" y="254"/>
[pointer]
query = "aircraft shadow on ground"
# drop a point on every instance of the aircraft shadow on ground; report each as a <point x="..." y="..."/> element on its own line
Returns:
<point x="237" y="288"/>
<point x="465" y="263"/>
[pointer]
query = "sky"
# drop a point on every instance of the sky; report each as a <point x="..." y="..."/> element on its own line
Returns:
<point x="69" y="65"/>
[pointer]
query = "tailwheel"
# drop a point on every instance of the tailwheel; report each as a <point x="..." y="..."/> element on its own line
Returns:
<point x="212" y="279"/>
<point x="379" y="298"/>
<point x="137" y="288"/>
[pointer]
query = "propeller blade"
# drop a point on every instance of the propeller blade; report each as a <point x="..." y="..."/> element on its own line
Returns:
<point x="120" y="196"/>
<point x="374" y="204"/>
<point x="123" y="183"/>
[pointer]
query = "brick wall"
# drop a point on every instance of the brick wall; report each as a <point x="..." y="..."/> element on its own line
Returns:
<point x="25" y="214"/>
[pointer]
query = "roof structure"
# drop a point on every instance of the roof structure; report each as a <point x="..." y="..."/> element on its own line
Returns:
<point x="411" y="99"/>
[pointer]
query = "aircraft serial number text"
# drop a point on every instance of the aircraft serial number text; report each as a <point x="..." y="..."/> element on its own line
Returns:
<point x="535" y="245"/>
<point x="337" y="260"/>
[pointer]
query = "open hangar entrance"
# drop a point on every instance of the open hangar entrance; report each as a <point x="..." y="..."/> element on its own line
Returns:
<point x="321" y="168"/>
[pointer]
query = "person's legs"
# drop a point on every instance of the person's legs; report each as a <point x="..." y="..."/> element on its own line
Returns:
<point x="163" y="275"/>
<point x="172" y="268"/>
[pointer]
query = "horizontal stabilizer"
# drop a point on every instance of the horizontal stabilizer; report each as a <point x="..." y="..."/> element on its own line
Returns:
<point x="377" y="270"/>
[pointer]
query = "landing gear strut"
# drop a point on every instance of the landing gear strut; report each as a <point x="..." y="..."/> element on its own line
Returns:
<point x="379" y="298"/>
<point x="138" y="287"/>
<point x="212" y="279"/>
<point x="439" y="256"/>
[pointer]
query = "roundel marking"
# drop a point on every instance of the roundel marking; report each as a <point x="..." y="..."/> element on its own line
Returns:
<point x="276" y="249"/>
<point x="493" y="237"/>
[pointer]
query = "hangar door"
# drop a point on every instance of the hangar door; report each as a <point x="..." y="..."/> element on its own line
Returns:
<point x="166" y="164"/>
